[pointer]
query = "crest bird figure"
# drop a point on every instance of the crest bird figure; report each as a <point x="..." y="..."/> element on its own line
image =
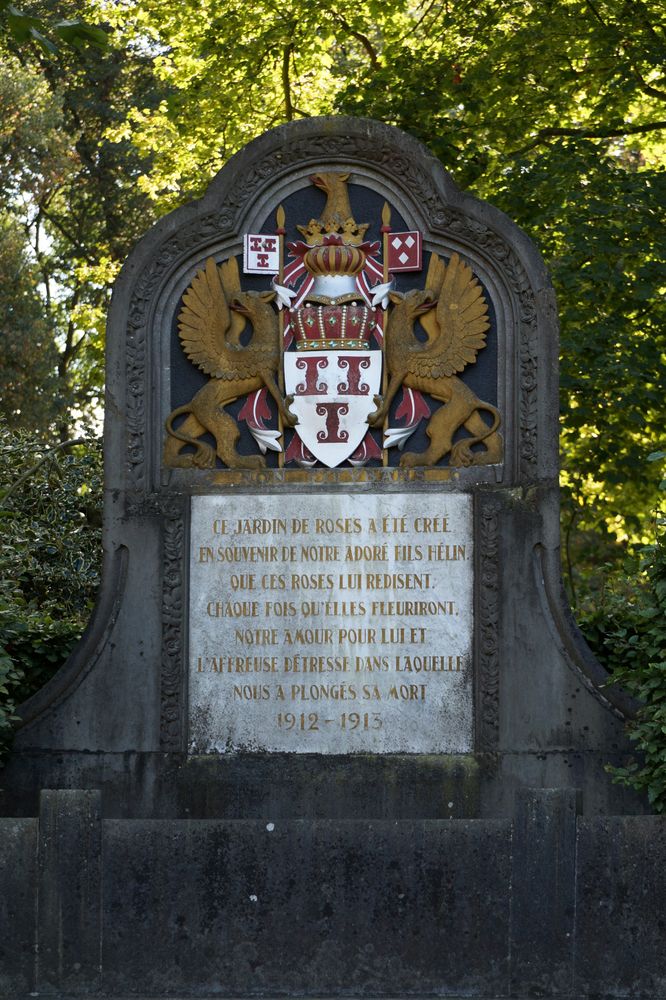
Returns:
<point x="337" y="217"/>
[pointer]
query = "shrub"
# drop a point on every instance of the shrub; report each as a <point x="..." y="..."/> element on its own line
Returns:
<point x="627" y="631"/>
<point x="50" y="554"/>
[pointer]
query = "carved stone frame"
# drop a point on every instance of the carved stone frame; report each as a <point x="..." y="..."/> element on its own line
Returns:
<point x="241" y="194"/>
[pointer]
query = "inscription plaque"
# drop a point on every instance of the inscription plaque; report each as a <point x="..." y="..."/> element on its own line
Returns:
<point x="331" y="623"/>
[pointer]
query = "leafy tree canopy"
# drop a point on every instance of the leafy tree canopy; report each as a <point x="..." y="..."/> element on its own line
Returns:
<point x="554" y="111"/>
<point x="69" y="198"/>
<point x="480" y="83"/>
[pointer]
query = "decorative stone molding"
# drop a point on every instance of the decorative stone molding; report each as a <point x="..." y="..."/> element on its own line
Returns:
<point x="171" y="682"/>
<point x="488" y="674"/>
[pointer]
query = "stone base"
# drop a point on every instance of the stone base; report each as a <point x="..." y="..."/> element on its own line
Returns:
<point x="546" y="904"/>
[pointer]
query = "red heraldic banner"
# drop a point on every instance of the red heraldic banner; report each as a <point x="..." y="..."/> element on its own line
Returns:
<point x="405" y="251"/>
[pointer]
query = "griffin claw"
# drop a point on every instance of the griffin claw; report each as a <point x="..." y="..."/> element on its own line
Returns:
<point x="289" y="419"/>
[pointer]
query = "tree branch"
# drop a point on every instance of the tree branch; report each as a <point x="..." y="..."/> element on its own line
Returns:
<point x="639" y="7"/>
<point x="360" y="37"/>
<point x="67" y="352"/>
<point x="286" y="82"/>
<point x="647" y="88"/>
<point x="75" y="347"/>
<point x="596" y="13"/>
<point x="68" y="236"/>
<point x="587" y="133"/>
<point x="45" y="458"/>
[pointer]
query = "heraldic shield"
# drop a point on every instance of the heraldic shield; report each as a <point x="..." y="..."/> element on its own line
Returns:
<point x="334" y="394"/>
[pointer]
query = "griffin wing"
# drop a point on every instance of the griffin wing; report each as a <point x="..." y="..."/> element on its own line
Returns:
<point x="457" y="327"/>
<point x="206" y="320"/>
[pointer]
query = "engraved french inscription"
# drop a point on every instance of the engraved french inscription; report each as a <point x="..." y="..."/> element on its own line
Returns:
<point x="335" y="623"/>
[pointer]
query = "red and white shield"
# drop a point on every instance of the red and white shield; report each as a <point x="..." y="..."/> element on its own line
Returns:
<point x="333" y="396"/>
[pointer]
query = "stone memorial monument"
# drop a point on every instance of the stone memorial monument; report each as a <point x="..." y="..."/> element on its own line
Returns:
<point x="332" y="730"/>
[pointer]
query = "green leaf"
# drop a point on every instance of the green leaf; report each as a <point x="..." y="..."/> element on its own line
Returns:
<point x="21" y="25"/>
<point x="43" y="42"/>
<point x="78" y="33"/>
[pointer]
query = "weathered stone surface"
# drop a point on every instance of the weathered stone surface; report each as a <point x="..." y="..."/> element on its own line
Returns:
<point x="323" y="908"/>
<point x="407" y="868"/>
<point x="69" y="921"/>
<point x="540" y="715"/>
<point x="621" y="906"/>
<point x="18" y="869"/>
<point x="543" y="904"/>
<point x="276" y="906"/>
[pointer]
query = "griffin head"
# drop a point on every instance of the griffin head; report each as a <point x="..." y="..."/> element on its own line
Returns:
<point x="414" y="303"/>
<point x="250" y="304"/>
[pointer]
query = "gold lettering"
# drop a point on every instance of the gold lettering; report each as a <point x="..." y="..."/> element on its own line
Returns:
<point x="338" y="525"/>
<point x="308" y="636"/>
<point x="430" y="525"/>
<point x="319" y="553"/>
<point x="408" y="553"/>
<point x="362" y="636"/>
<point x="323" y="692"/>
<point x="251" y="664"/>
<point x="371" y="692"/>
<point x="407" y="692"/>
<point x="370" y="664"/>
<point x="394" y="525"/>
<point x="301" y="664"/>
<point x="311" y="581"/>
<point x="367" y="553"/>
<point x="416" y="609"/>
<point x="429" y="664"/>
<point x="280" y="609"/>
<point x="257" y="636"/>
<point x="446" y="553"/>
<point x="261" y="526"/>
<point x="232" y="609"/>
<point x="251" y="692"/>
<point x="397" y="581"/>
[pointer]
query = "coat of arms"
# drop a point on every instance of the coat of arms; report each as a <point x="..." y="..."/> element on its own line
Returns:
<point x="351" y="365"/>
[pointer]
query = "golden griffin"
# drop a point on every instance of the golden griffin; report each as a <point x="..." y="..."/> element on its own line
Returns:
<point x="454" y="314"/>
<point x="213" y="317"/>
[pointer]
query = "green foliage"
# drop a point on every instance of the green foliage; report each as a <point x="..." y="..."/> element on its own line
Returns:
<point x="72" y="194"/>
<point x="626" y="628"/>
<point x="50" y="515"/>
<point x="26" y="29"/>
<point x="601" y="232"/>
<point x="27" y="347"/>
<point x="553" y="112"/>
